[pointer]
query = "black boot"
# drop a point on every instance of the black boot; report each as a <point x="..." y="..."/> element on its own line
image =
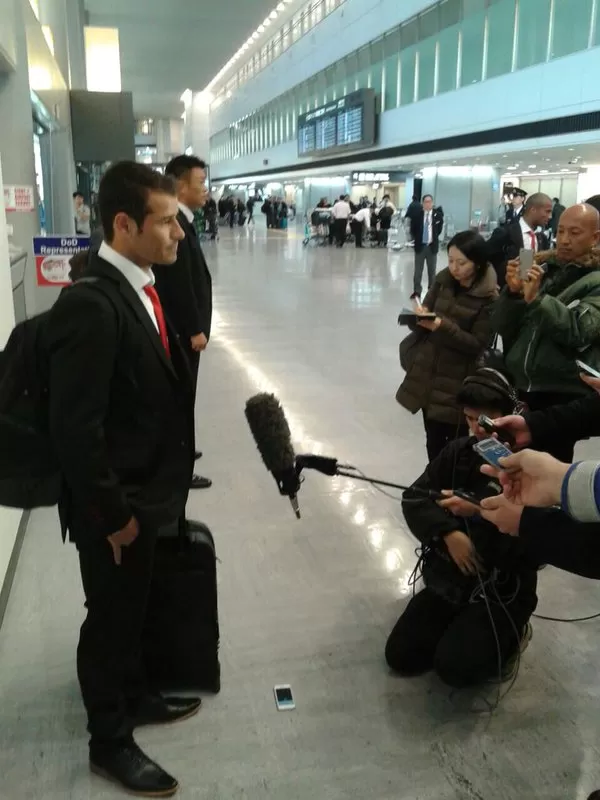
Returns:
<point x="128" y="766"/>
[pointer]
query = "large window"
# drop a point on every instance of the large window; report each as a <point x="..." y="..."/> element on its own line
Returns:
<point x="391" y="53"/>
<point x="407" y="75"/>
<point x="533" y="27"/>
<point x="426" y="85"/>
<point x="473" y="34"/>
<point x="447" y="59"/>
<point x="571" y="26"/>
<point x="501" y="31"/>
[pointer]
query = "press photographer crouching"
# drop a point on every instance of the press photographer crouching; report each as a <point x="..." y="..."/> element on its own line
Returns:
<point x="471" y="621"/>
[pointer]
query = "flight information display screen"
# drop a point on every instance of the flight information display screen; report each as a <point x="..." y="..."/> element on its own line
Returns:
<point x="345" y="124"/>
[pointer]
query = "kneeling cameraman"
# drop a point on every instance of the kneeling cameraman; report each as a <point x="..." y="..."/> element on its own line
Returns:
<point x="471" y="620"/>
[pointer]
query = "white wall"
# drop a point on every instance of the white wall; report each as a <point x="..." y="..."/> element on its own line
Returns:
<point x="555" y="89"/>
<point x="9" y="518"/>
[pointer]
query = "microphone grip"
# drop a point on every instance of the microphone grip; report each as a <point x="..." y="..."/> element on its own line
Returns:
<point x="324" y="464"/>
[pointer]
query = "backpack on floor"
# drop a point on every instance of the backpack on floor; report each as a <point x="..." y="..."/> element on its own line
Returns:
<point x="30" y="474"/>
<point x="180" y="644"/>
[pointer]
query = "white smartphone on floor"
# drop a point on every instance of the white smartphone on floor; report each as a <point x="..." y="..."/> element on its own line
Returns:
<point x="284" y="699"/>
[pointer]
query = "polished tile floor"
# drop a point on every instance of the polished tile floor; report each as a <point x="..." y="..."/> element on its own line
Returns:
<point x="307" y="602"/>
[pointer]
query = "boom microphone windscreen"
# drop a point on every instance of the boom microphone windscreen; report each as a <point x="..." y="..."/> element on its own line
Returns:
<point x="272" y="435"/>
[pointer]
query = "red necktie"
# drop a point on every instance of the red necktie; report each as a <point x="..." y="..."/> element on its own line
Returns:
<point x="160" y="317"/>
<point x="533" y="240"/>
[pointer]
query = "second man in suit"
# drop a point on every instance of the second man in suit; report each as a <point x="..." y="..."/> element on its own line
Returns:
<point x="505" y="242"/>
<point x="426" y="226"/>
<point x="185" y="289"/>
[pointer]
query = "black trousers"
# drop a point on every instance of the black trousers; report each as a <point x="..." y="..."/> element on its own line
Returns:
<point x="357" y="230"/>
<point x="109" y="663"/>
<point x="559" y="446"/>
<point x="339" y="227"/>
<point x="458" y="642"/>
<point x="439" y="434"/>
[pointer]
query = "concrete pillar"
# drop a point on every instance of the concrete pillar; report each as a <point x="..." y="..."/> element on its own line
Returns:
<point x="16" y="144"/>
<point x="7" y="311"/>
<point x="66" y="19"/>
<point x="197" y="124"/>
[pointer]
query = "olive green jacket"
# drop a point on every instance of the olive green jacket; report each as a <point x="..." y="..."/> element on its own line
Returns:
<point x="543" y="339"/>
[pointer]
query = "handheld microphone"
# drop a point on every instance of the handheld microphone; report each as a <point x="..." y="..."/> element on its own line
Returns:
<point x="272" y="435"/>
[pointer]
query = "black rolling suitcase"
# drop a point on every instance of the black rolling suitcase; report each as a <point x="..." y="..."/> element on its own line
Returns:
<point x="180" y="647"/>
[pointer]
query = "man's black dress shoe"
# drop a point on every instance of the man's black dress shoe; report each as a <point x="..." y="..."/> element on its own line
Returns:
<point x="198" y="482"/>
<point x="128" y="766"/>
<point x="197" y="455"/>
<point x="158" y="710"/>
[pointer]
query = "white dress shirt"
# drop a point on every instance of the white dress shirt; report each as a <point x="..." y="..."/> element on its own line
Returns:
<point x="364" y="216"/>
<point x="428" y="227"/>
<point x="529" y="242"/>
<point x="341" y="210"/>
<point x="136" y="276"/>
<point x="187" y="213"/>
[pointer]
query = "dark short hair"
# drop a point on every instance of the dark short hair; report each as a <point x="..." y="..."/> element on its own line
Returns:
<point x="181" y="166"/>
<point x="555" y="200"/>
<point x="473" y="246"/>
<point x="425" y="196"/>
<point x="594" y="201"/>
<point x="78" y="194"/>
<point x="488" y="390"/>
<point x="78" y="263"/>
<point x="124" y="189"/>
<point x="536" y="200"/>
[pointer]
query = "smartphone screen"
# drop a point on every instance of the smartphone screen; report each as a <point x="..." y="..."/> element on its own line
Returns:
<point x="526" y="262"/>
<point x="491" y="450"/>
<point x="284" y="698"/>
<point x="588" y="370"/>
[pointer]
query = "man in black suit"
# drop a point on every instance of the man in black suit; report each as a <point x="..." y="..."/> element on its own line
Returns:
<point x="506" y="242"/>
<point x="426" y="226"/>
<point x="126" y="449"/>
<point x="185" y="289"/>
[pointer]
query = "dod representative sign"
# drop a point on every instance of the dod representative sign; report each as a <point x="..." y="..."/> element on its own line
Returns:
<point x="52" y="256"/>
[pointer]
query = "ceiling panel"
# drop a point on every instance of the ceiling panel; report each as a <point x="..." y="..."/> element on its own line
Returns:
<point x="168" y="46"/>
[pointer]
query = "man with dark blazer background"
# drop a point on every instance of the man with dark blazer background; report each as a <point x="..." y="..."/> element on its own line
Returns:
<point x="125" y="446"/>
<point x="185" y="289"/>
<point x="426" y="226"/>
<point x="507" y="241"/>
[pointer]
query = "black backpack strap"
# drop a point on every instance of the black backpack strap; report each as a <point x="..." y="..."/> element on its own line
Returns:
<point x="104" y="287"/>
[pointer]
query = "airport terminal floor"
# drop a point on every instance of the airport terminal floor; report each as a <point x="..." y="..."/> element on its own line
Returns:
<point x="309" y="602"/>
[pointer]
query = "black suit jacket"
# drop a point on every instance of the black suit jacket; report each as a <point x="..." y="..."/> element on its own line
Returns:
<point x="121" y="410"/>
<point x="504" y="245"/>
<point x="417" y="223"/>
<point x="185" y="288"/>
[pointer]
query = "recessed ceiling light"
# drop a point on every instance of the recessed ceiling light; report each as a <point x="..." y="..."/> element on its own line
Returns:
<point x="532" y="166"/>
<point x="266" y="22"/>
<point x="571" y="149"/>
<point x="274" y="14"/>
<point x="261" y="28"/>
<point x="281" y="7"/>
<point x="544" y="171"/>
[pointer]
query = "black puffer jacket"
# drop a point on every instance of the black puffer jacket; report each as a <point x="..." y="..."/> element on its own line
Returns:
<point x="459" y="467"/>
<point x="437" y="363"/>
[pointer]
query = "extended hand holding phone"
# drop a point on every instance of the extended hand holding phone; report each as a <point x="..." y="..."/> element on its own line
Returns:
<point x="525" y="262"/>
<point x="593" y="373"/>
<point x="284" y="699"/>
<point x="491" y="450"/>
<point x="489" y="427"/>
